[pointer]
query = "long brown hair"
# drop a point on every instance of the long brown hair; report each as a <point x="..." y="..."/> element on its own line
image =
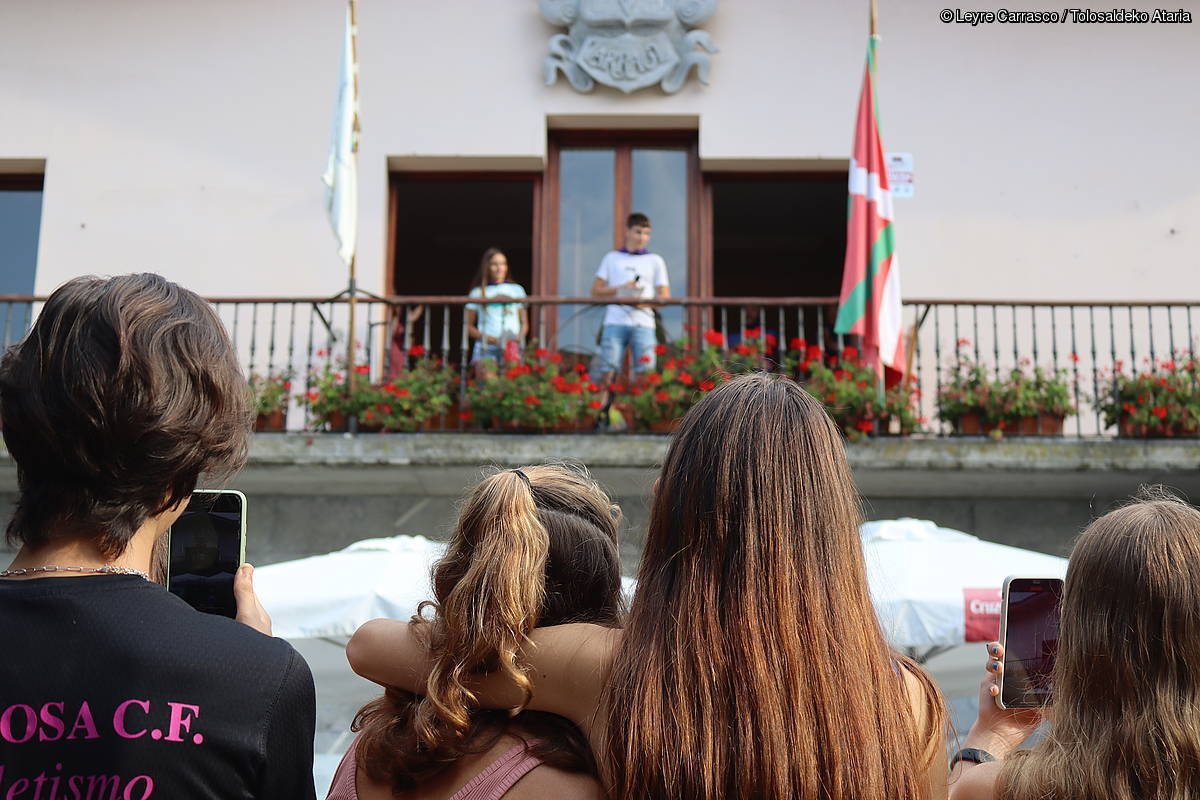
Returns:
<point x="1126" y="684"/>
<point x="481" y="277"/>
<point x="535" y="546"/>
<point x="752" y="663"/>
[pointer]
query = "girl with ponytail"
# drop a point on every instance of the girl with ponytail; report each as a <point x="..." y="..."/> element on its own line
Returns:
<point x="534" y="546"/>
<point x="752" y="664"/>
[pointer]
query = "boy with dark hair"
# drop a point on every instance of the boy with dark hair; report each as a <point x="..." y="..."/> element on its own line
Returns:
<point x="125" y="392"/>
<point x="630" y="272"/>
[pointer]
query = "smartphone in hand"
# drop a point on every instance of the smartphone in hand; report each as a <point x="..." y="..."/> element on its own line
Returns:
<point x="206" y="545"/>
<point x="1029" y="632"/>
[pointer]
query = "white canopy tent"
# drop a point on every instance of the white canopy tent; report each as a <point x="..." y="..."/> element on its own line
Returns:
<point x="933" y="588"/>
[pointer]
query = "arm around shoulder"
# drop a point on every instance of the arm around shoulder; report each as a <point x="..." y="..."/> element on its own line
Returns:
<point x="568" y="665"/>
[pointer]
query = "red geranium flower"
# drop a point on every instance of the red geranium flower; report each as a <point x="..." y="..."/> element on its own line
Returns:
<point x="512" y="372"/>
<point x="743" y="350"/>
<point x="1129" y="408"/>
<point x="645" y="359"/>
<point x="321" y="353"/>
<point x="707" y="386"/>
<point x="585" y="376"/>
<point x="618" y="387"/>
<point x="401" y="392"/>
<point x="595" y="404"/>
<point x="556" y="358"/>
<point x="530" y="400"/>
<point x="1075" y="357"/>
<point x="686" y="378"/>
<point x="464" y="415"/>
<point x="541" y="352"/>
<point x="591" y="387"/>
<point x="313" y="396"/>
<point x="715" y="338"/>
<point x="362" y="369"/>
<point x="1159" y="411"/>
<point x="417" y="350"/>
<point x="580" y="368"/>
<point x="369" y="415"/>
<point x="850" y="353"/>
<point x="662" y="397"/>
<point x="661" y="349"/>
<point x="864" y="425"/>
<point x="385" y="408"/>
<point x="751" y="333"/>
<point x="797" y="344"/>
<point x="654" y="377"/>
<point x="1169" y="364"/>
<point x="771" y="340"/>
<point x="287" y="385"/>
<point x="635" y="390"/>
<point x="813" y="353"/>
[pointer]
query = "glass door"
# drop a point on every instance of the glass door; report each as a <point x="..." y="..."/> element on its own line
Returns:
<point x="599" y="183"/>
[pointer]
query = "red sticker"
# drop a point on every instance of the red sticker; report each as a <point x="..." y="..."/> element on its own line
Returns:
<point x="981" y="615"/>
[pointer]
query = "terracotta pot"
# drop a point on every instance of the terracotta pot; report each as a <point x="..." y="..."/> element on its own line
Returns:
<point x="336" y="420"/>
<point x="664" y="425"/>
<point x="1050" y="424"/>
<point x="1128" y="429"/>
<point x="580" y="425"/>
<point x="274" y="422"/>
<point x="446" y="421"/>
<point x="969" y="424"/>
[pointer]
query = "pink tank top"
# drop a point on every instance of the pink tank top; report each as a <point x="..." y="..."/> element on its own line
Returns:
<point x="490" y="784"/>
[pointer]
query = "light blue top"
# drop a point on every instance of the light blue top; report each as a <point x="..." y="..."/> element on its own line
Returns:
<point x="502" y="320"/>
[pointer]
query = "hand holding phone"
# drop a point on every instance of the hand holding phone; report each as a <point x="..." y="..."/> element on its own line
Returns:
<point x="1029" y="637"/>
<point x="207" y="545"/>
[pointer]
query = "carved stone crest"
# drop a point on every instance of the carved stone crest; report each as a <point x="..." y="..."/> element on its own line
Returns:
<point x="628" y="44"/>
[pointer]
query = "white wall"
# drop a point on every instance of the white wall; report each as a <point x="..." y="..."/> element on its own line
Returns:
<point x="188" y="138"/>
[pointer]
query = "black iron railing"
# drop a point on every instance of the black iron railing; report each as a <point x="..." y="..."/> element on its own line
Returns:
<point x="1086" y="343"/>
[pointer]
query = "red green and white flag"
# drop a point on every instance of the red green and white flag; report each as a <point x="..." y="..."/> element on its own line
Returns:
<point x="870" y="302"/>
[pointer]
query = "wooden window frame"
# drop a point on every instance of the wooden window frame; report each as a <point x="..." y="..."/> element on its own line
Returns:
<point x="396" y="177"/>
<point x="623" y="142"/>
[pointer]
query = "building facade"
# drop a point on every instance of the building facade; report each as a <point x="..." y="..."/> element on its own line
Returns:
<point x="1051" y="161"/>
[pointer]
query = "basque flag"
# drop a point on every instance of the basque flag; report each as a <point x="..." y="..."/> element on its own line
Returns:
<point x="870" y="300"/>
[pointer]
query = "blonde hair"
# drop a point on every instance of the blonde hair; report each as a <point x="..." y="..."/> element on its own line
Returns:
<point x="531" y="546"/>
<point x="1126" y="722"/>
<point x="752" y="664"/>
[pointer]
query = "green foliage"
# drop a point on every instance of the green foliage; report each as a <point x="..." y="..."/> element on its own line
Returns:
<point x="271" y="391"/>
<point x="1162" y="400"/>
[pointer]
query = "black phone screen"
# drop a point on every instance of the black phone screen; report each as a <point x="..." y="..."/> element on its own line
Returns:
<point x="206" y="551"/>
<point x="1030" y="641"/>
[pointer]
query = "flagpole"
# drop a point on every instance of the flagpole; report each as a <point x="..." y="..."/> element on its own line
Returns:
<point x="353" y="287"/>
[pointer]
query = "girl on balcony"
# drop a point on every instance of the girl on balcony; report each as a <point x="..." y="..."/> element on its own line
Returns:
<point x="1126" y="718"/>
<point x="537" y="545"/>
<point x="752" y="664"/>
<point x="495" y="326"/>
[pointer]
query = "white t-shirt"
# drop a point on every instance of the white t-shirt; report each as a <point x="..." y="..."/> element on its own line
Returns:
<point x="502" y="320"/>
<point x="617" y="269"/>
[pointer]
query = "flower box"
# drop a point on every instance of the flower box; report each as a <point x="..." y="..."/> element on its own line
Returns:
<point x="271" y="422"/>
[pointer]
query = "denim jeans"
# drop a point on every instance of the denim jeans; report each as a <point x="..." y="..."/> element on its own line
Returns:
<point x="615" y="338"/>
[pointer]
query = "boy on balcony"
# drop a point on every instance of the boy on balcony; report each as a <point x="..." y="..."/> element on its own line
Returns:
<point x="630" y="272"/>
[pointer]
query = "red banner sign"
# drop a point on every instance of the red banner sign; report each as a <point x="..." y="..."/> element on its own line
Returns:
<point x="981" y="614"/>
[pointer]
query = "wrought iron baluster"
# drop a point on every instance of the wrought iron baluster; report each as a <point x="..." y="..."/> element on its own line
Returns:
<point x="937" y="367"/>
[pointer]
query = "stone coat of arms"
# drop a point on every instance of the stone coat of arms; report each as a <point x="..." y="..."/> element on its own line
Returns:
<point x="628" y="44"/>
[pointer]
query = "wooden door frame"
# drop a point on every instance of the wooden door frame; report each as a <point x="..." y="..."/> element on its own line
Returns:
<point x="396" y="177"/>
<point x="706" y="277"/>
<point x="623" y="142"/>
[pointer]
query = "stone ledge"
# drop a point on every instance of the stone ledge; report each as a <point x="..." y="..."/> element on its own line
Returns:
<point x="647" y="451"/>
